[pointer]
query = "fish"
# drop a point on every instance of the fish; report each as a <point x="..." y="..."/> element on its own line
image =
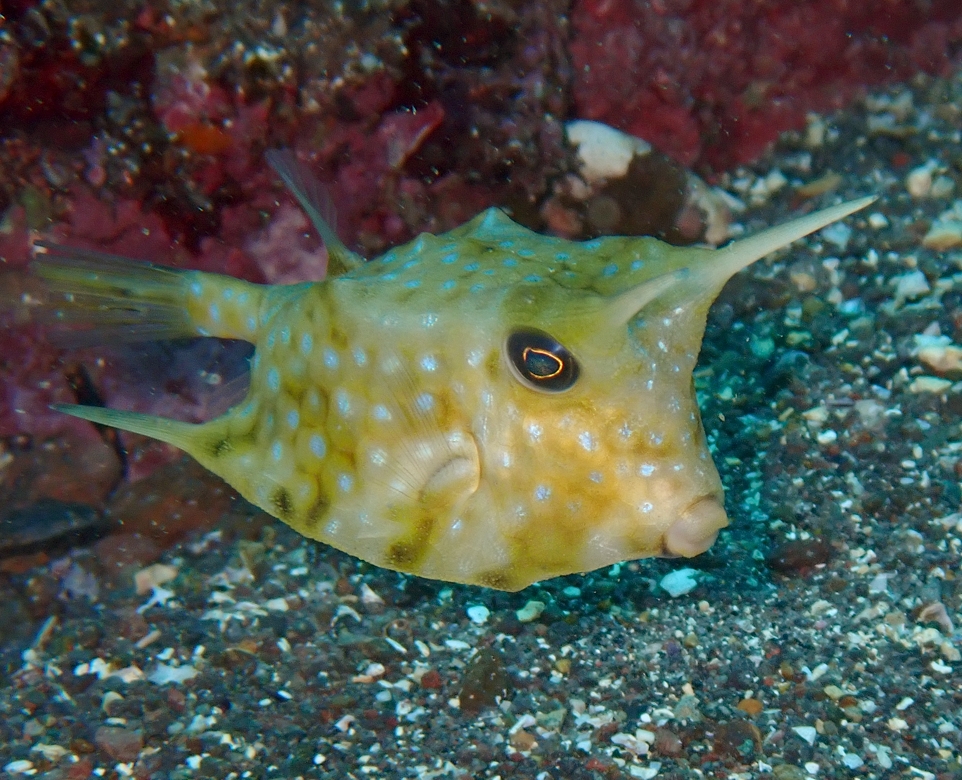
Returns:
<point x="487" y="406"/>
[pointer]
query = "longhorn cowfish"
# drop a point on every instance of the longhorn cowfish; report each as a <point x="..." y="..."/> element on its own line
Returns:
<point x="488" y="406"/>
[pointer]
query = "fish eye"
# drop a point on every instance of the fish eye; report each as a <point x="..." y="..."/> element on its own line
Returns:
<point x="541" y="361"/>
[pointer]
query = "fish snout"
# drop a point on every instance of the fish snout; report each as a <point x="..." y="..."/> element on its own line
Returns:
<point x="696" y="528"/>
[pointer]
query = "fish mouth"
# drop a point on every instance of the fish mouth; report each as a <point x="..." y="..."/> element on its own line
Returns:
<point x="455" y="478"/>
<point x="696" y="528"/>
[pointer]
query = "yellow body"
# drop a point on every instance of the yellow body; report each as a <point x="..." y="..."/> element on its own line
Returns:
<point x="386" y="418"/>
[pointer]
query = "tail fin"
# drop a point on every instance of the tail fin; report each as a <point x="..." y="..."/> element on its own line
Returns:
<point x="110" y="298"/>
<point x="180" y="434"/>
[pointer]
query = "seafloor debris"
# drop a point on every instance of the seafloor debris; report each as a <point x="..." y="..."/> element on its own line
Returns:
<point x="625" y="187"/>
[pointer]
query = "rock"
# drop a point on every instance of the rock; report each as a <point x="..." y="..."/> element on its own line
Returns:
<point x="48" y="526"/>
<point x="604" y="152"/>
<point x="738" y="739"/>
<point x="70" y="469"/>
<point x="119" y="743"/>
<point x="799" y="556"/>
<point x="177" y="499"/>
<point x="485" y="682"/>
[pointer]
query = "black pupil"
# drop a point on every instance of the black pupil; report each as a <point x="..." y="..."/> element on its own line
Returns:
<point x="542" y="361"/>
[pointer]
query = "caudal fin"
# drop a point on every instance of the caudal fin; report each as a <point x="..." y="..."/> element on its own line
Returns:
<point x="180" y="434"/>
<point x="102" y="298"/>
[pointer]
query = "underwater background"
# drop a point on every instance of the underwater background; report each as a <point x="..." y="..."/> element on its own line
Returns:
<point x="154" y="625"/>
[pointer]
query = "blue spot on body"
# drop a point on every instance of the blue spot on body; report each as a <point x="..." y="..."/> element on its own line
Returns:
<point x="317" y="445"/>
<point x="285" y="335"/>
<point x="488" y="272"/>
<point x="506" y="244"/>
<point x="277" y="451"/>
<point x="451" y="258"/>
<point x="390" y="257"/>
<point x="450" y="284"/>
<point x="510" y="263"/>
<point x="593" y="244"/>
<point x="610" y="270"/>
<point x="410" y="264"/>
<point x="525" y="253"/>
<point x="196" y="288"/>
<point x="330" y="358"/>
<point x="390" y="277"/>
<point x="637" y="265"/>
<point x="293" y="419"/>
<point x="472" y="267"/>
<point x="228" y="293"/>
<point x="271" y="339"/>
<point x="562" y="256"/>
<point x="477" y="288"/>
<point x="412" y="283"/>
<point x="307" y="343"/>
<point x="274" y="380"/>
<point x="532" y="278"/>
<point x="542" y="492"/>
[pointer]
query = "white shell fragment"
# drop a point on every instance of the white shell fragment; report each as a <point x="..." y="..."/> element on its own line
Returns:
<point x="530" y="611"/>
<point x="604" y="152"/>
<point x="679" y="582"/>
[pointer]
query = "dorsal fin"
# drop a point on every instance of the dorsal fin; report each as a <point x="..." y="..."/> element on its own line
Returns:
<point x="316" y="202"/>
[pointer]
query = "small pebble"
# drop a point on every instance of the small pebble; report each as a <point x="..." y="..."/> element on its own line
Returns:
<point x="530" y="611"/>
<point x="119" y="743"/>
<point x="929" y="384"/>
<point x="751" y="707"/>
<point x="918" y="182"/>
<point x="478" y="614"/>
<point x="799" y="555"/>
<point x="852" y="761"/>
<point x="679" y="582"/>
<point x="877" y="220"/>
<point x="485" y="682"/>
<point x="943" y="235"/>
<point x="808" y="733"/>
<point x="431" y="680"/>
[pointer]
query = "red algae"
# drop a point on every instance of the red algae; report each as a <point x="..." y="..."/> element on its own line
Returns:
<point x="715" y="83"/>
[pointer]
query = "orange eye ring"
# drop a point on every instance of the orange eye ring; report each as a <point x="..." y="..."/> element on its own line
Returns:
<point x="540" y="361"/>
